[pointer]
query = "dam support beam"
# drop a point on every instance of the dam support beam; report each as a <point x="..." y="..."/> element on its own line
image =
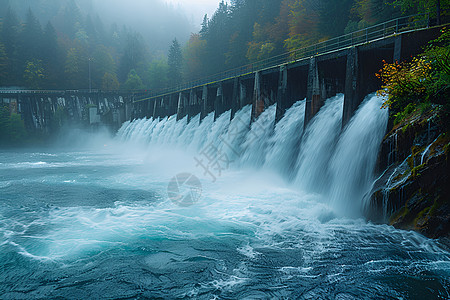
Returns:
<point x="150" y="111"/>
<point x="155" y="115"/>
<point x="242" y="94"/>
<point x="353" y="96"/>
<point x="218" y="103"/>
<point x="193" y="104"/>
<point x="282" y="95"/>
<point x="172" y="104"/>
<point x="235" y="99"/>
<point x="398" y="49"/>
<point x="181" y="106"/>
<point x="228" y="94"/>
<point x="128" y="110"/>
<point x="197" y="105"/>
<point x="258" y="102"/>
<point x="314" y="93"/>
<point x="204" y="106"/>
<point x="157" y="108"/>
<point x="208" y="99"/>
<point x="163" y="107"/>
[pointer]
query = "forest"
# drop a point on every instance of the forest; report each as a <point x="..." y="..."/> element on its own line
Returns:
<point x="69" y="46"/>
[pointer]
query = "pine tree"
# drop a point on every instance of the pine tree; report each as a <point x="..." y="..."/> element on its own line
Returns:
<point x="71" y="19"/>
<point x="175" y="62"/>
<point x="31" y="39"/>
<point x="102" y="63"/>
<point x="218" y="38"/>
<point x="9" y="38"/>
<point x="76" y="67"/>
<point x="133" y="56"/>
<point x="204" y="30"/>
<point x="3" y="65"/>
<point x="52" y="56"/>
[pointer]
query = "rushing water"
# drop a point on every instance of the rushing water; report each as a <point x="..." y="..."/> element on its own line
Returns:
<point x="98" y="223"/>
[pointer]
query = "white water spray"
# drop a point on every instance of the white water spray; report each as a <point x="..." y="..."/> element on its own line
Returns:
<point x="318" y="145"/>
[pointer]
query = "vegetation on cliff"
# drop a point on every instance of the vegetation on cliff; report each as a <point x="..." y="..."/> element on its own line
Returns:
<point x="413" y="193"/>
<point x="414" y="85"/>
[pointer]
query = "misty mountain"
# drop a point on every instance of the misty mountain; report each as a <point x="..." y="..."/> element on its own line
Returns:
<point x="158" y="22"/>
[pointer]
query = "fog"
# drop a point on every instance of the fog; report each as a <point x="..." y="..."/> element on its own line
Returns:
<point x="159" y="21"/>
<point x="196" y="10"/>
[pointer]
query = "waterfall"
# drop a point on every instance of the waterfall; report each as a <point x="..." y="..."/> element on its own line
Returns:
<point x="283" y="145"/>
<point x="188" y="134"/>
<point x="232" y="141"/>
<point x="337" y="164"/>
<point x="257" y="139"/>
<point x="200" y="135"/>
<point x="157" y="131"/>
<point x="219" y="127"/>
<point x="353" y="162"/>
<point x="318" y="144"/>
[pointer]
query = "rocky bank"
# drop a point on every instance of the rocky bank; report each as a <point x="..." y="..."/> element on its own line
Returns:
<point x="413" y="189"/>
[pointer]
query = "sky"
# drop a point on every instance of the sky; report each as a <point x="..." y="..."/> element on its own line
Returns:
<point x="196" y="9"/>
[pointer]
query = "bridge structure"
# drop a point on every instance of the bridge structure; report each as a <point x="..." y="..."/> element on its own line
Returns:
<point x="83" y="107"/>
<point x="345" y="64"/>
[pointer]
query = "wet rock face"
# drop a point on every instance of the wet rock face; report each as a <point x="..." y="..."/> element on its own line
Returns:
<point x="413" y="190"/>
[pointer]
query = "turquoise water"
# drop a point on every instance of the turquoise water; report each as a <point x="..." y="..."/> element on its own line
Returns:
<point x="97" y="223"/>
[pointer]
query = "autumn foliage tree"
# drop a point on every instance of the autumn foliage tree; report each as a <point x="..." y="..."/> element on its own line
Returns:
<point x="424" y="79"/>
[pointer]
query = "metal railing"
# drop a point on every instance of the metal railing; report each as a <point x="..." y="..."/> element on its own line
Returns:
<point x="17" y="91"/>
<point x="360" y="37"/>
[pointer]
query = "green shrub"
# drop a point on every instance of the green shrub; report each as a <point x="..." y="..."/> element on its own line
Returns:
<point x="12" y="128"/>
<point x="414" y="86"/>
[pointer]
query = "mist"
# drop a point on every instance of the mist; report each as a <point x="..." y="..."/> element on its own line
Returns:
<point x="158" y="21"/>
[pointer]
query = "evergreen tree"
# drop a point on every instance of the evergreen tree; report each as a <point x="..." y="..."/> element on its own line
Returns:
<point x="217" y="39"/>
<point x="110" y="82"/>
<point x="100" y="29"/>
<point x="71" y="19"/>
<point x="422" y="6"/>
<point x="243" y="15"/>
<point x="34" y="74"/>
<point x="133" y="55"/>
<point x="3" y="65"/>
<point x="157" y="74"/>
<point x="329" y="25"/>
<point x="52" y="56"/>
<point x="9" y="38"/>
<point x="91" y="32"/>
<point x="194" y="55"/>
<point x="31" y="39"/>
<point x="133" y="82"/>
<point x="102" y="63"/>
<point x="77" y="67"/>
<point x="204" y="29"/>
<point x="175" y="62"/>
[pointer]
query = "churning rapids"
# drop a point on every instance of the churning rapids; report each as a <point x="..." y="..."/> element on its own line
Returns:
<point x="277" y="215"/>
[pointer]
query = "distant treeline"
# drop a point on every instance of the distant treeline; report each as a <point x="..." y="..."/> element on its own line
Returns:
<point x="250" y="30"/>
<point x="238" y="33"/>
<point x="74" y="49"/>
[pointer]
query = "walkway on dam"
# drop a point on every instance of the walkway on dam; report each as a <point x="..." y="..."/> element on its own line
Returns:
<point x="377" y="32"/>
